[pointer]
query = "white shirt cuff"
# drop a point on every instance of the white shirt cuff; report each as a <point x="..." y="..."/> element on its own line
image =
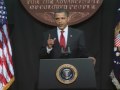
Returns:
<point x="48" y="50"/>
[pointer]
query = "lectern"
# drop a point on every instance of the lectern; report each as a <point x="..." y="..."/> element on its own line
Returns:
<point x="72" y="73"/>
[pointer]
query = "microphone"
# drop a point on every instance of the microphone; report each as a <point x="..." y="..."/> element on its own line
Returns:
<point x="62" y="50"/>
<point x="65" y="52"/>
<point x="69" y="51"/>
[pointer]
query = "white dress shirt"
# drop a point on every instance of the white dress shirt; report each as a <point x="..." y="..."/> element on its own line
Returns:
<point x="65" y="34"/>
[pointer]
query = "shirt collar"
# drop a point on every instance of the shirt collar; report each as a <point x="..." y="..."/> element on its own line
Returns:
<point x="65" y="29"/>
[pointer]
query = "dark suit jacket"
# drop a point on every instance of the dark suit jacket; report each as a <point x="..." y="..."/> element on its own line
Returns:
<point x="75" y="42"/>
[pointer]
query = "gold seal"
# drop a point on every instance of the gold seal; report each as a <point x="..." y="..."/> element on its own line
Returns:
<point x="66" y="74"/>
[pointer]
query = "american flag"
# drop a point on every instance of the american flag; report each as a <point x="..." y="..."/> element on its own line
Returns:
<point x="115" y="74"/>
<point x="6" y="65"/>
<point x="117" y="40"/>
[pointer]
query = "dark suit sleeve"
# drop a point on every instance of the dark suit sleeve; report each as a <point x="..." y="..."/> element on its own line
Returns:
<point x="83" y="53"/>
<point x="43" y="50"/>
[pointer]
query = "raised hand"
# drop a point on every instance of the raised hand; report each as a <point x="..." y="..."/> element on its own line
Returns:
<point x="50" y="41"/>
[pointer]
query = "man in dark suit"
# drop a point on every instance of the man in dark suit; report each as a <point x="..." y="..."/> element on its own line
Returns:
<point x="63" y="41"/>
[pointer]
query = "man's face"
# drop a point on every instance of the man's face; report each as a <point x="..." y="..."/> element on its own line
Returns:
<point x="61" y="20"/>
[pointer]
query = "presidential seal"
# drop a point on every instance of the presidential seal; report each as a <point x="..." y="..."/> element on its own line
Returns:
<point x="66" y="74"/>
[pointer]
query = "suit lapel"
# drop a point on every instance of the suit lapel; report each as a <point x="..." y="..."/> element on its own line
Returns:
<point x="69" y="38"/>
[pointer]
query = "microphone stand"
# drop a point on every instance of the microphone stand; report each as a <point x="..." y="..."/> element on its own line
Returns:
<point x="65" y="52"/>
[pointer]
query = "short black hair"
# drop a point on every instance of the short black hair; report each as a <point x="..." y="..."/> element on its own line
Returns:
<point x="60" y="10"/>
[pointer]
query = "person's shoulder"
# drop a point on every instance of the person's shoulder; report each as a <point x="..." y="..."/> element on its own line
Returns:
<point x="76" y="30"/>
